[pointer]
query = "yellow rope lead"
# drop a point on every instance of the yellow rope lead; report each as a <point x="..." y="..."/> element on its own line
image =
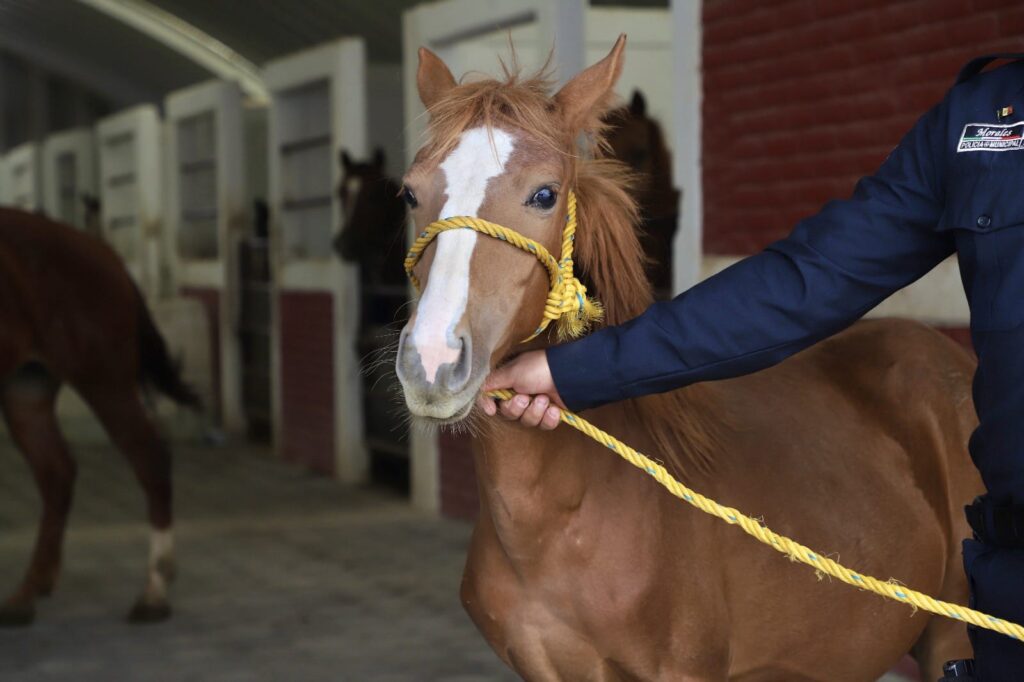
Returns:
<point x="794" y="550"/>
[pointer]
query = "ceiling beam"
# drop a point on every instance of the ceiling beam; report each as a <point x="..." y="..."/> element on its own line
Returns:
<point x="187" y="40"/>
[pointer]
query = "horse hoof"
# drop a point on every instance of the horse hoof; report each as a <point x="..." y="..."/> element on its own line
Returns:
<point x="16" y="616"/>
<point x="143" y="613"/>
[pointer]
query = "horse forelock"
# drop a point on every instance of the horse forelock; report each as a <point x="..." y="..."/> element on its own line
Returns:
<point x="608" y="253"/>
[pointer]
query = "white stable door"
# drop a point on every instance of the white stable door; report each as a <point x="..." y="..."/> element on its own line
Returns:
<point x="205" y="214"/>
<point x="318" y="109"/>
<point x="69" y="175"/>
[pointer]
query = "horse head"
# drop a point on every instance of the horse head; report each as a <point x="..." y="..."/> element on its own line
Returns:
<point x="630" y="136"/>
<point x="362" y="192"/>
<point x="637" y="140"/>
<point x="505" y="152"/>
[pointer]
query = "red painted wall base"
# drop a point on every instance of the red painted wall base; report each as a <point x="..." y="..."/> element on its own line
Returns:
<point x="307" y="378"/>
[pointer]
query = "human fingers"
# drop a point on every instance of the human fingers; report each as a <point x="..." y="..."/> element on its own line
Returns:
<point x="487" y="404"/>
<point x="552" y="418"/>
<point x="533" y="415"/>
<point x="513" y="409"/>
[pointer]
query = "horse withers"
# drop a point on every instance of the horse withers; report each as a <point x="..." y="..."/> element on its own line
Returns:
<point x="70" y="314"/>
<point x="579" y="567"/>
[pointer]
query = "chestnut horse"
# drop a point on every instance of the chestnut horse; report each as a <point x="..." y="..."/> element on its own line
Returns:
<point x="580" y="567"/>
<point x="637" y="140"/>
<point x="70" y="313"/>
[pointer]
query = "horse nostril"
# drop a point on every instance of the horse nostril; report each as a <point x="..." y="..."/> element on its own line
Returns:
<point x="403" y="359"/>
<point x="458" y="376"/>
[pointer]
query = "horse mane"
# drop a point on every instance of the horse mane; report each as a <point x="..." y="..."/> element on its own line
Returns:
<point x="610" y="259"/>
<point x="608" y="253"/>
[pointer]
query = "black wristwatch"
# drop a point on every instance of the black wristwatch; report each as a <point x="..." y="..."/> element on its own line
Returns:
<point x="961" y="671"/>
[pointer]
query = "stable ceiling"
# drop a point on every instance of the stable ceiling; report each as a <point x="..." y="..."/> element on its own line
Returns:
<point x="76" y="41"/>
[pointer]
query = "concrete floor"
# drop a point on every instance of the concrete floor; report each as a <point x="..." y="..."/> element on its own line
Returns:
<point x="282" y="576"/>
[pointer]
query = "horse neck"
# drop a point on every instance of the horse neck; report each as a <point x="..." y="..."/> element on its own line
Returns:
<point x="532" y="483"/>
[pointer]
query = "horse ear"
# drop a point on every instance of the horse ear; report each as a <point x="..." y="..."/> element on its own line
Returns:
<point x="433" y="79"/>
<point x="378" y="157"/>
<point x="346" y="160"/>
<point x="638" y="105"/>
<point x="585" y="98"/>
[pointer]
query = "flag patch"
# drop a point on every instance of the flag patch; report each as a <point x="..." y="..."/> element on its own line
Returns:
<point x="988" y="137"/>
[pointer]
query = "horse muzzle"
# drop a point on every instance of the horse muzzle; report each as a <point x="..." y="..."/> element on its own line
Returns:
<point x="437" y="378"/>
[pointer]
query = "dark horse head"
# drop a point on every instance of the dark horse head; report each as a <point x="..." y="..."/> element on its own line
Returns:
<point x="373" y="231"/>
<point x="637" y="140"/>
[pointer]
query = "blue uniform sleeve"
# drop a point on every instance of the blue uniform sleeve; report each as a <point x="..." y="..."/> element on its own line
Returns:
<point x="834" y="267"/>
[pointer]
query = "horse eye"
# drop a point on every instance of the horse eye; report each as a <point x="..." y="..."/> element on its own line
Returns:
<point x="543" y="198"/>
<point x="409" y="197"/>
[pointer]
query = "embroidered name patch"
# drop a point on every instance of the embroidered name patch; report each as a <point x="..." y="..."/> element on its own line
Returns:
<point x="988" y="137"/>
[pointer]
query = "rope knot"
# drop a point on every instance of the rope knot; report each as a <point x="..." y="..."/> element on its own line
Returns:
<point x="569" y="305"/>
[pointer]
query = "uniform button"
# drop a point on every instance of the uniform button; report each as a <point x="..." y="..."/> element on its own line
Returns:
<point x="984" y="221"/>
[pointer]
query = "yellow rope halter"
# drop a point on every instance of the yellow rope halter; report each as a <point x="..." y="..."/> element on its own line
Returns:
<point x="567" y="298"/>
<point x="567" y="302"/>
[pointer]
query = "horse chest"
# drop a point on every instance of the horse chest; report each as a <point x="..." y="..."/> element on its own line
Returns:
<point x="600" y="620"/>
<point x="567" y="581"/>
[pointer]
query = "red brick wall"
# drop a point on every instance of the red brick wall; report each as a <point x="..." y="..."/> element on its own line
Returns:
<point x="961" y="335"/>
<point x="307" y="379"/>
<point x="210" y="298"/>
<point x="459" y="496"/>
<point x="801" y="98"/>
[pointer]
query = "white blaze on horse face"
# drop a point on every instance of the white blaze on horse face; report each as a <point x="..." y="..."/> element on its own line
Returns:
<point x="480" y="155"/>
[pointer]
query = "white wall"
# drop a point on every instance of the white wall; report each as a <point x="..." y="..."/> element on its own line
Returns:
<point x="130" y="146"/>
<point x="22" y="181"/>
<point x="78" y="145"/>
<point x="386" y="118"/>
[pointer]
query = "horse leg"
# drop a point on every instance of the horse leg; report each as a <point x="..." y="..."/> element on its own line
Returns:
<point x="129" y="426"/>
<point x="28" y="400"/>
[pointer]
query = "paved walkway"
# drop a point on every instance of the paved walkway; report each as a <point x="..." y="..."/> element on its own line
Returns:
<point x="283" y="576"/>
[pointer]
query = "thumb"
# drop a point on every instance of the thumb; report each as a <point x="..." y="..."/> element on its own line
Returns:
<point x="501" y="378"/>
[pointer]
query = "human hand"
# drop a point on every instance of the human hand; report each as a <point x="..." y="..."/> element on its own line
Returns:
<point x="537" y="403"/>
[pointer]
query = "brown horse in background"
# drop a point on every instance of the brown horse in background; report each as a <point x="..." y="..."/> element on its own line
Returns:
<point x="373" y="237"/>
<point x="70" y="314"/>
<point x="580" y="567"/>
<point x="373" y="232"/>
<point x="638" y="141"/>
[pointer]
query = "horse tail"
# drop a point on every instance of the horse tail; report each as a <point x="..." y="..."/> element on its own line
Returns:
<point x="156" y="368"/>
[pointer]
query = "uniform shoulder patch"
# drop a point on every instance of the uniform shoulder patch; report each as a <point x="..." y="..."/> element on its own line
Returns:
<point x="991" y="137"/>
